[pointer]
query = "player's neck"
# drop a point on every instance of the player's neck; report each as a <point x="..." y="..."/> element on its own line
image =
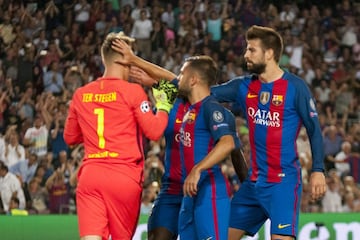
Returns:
<point x="271" y="74"/>
<point x="118" y="72"/>
<point x="198" y="94"/>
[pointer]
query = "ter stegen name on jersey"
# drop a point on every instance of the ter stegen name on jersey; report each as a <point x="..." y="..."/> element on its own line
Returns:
<point x="99" y="97"/>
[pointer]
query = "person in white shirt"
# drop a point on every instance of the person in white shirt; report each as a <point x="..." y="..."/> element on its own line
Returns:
<point x="323" y="91"/>
<point x="36" y="137"/>
<point x="2" y="147"/>
<point x="10" y="186"/>
<point x="331" y="202"/>
<point x="136" y="11"/>
<point x="14" y="151"/>
<point x="141" y="31"/>
<point x="168" y="16"/>
<point x="82" y="11"/>
<point x="341" y="165"/>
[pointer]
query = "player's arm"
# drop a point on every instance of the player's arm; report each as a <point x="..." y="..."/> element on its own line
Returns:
<point x="72" y="131"/>
<point x="239" y="162"/>
<point x="156" y="72"/>
<point x="139" y="76"/>
<point x="226" y="92"/>
<point x="221" y="124"/>
<point x="306" y="107"/>
<point x="153" y="125"/>
<point x="221" y="150"/>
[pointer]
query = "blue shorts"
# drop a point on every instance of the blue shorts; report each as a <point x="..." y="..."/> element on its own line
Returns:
<point x="165" y="212"/>
<point x="206" y="215"/>
<point x="253" y="204"/>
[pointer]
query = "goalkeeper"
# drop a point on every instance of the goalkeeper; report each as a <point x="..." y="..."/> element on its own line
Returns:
<point x="109" y="116"/>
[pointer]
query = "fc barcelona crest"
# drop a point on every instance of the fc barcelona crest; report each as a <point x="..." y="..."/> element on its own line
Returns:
<point x="264" y="97"/>
<point x="190" y="116"/>
<point x="277" y="100"/>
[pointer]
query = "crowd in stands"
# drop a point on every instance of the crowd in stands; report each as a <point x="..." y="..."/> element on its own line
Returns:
<point x="50" y="48"/>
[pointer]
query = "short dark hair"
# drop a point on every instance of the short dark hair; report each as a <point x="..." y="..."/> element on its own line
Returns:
<point x="205" y="66"/>
<point x="3" y="166"/>
<point x="15" y="199"/>
<point x="270" y="39"/>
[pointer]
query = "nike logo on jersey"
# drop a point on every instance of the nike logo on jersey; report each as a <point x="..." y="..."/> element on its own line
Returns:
<point x="249" y="95"/>
<point x="178" y="121"/>
<point x="281" y="226"/>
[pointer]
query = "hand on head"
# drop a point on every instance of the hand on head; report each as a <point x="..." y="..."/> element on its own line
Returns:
<point x="123" y="48"/>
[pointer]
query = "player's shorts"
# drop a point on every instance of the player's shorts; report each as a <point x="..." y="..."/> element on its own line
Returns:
<point x="252" y="205"/>
<point x="206" y="215"/>
<point x="108" y="201"/>
<point x="165" y="213"/>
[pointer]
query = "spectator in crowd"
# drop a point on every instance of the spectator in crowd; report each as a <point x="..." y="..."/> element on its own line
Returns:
<point x="322" y="92"/>
<point x="57" y="142"/>
<point x="59" y="195"/>
<point x="141" y="31"/>
<point x="82" y="13"/>
<point x="342" y="165"/>
<point x="10" y="186"/>
<point x="136" y="10"/>
<point x="157" y="42"/>
<point x="38" y="198"/>
<point x="53" y="54"/>
<point x="14" y="207"/>
<point x="168" y="16"/>
<point x="14" y="152"/>
<point x="65" y="164"/>
<point x="215" y="21"/>
<point x="26" y="105"/>
<point x="53" y="79"/>
<point x="332" y="200"/>
<point x="36" y="137"/>
<point x="350" y="203"/>
<point x="332" y="145"/>
<point x="25" y="169"/>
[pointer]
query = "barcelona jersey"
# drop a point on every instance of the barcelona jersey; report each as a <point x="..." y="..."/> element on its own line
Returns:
<point x="203" y="125"/>
<point x="275" y="112"/>
<point x="172" y="179"/>
<point x="206" y="215"/>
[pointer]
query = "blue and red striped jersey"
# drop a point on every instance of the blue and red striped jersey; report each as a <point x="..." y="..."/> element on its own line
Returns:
<point x="172" y="180"/>
<point x="275" y="113"/>
<point x="203" y="124"/>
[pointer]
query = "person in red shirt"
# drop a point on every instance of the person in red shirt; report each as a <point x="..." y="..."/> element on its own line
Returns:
<point x="110" y="116"/>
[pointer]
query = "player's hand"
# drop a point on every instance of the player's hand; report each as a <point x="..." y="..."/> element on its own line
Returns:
<point x="318" y="185"/>
<point x="141" y="77"/>
<point x="164" y="93"/>
<point x="190" y="185"/>
<point x="124" y="49"/>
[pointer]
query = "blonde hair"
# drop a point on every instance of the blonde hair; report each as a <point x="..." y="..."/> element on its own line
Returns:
<point x="106" y="48"/>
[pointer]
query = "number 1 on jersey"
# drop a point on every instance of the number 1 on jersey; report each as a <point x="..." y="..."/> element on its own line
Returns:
<point x="100" y="126"/>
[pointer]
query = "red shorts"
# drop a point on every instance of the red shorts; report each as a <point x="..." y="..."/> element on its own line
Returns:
<point x="108" y="200"/>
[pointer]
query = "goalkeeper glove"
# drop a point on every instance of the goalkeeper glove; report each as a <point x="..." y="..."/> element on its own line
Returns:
<point x="164" y="93"/>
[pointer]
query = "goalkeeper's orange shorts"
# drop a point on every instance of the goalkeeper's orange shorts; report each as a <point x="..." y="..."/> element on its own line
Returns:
<point x="108" y="201"/>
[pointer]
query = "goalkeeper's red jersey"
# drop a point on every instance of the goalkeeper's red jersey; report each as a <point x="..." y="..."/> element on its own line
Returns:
<point x="109" y="116"/>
